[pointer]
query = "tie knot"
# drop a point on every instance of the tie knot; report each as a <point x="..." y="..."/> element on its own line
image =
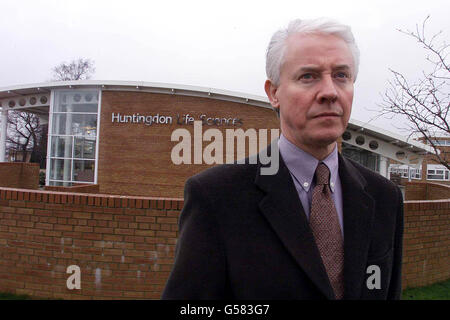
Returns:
<point x="322" y="174"/>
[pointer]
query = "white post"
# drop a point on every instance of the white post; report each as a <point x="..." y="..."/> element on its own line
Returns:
<point x="3" y="132"/>
<point x="383" y="166"/>
<point x="68" y="148"/>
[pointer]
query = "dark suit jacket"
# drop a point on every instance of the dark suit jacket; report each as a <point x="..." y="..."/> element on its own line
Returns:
<point x="245" y="236"/>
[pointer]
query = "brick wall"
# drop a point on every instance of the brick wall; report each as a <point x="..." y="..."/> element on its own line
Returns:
<point x="19" y="175"/>
<point x="415" y="190"/>
<point x="426" y="191"/>
<point x="125" y="245"/>
<point x="76" y="188"/>
<point x="436" y="191"/>
<point x="426" y="247"/>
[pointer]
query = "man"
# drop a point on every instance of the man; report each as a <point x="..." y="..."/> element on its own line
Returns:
<point x="322" y="227"/>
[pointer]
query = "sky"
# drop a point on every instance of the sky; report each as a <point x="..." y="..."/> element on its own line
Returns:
<point x="213" y="44"/>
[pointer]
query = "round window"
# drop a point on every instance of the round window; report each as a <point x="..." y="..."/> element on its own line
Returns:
<point x="77" y="97"/>
<point x="373" y="145"/>
<point x="43" y="100"/>
<point x="400" y="155"/>
<point x="347" y="136"/>
<point x="360" y="140"/>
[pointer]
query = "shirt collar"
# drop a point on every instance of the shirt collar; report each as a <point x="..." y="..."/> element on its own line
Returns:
<point x="302" y="165"/>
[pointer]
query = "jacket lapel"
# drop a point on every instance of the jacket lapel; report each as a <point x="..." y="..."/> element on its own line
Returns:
<point x="283" y="209"/>
<point x="358" y="208"/>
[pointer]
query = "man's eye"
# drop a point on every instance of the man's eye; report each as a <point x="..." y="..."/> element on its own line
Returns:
<point x="342" y="75"/>
<point x="307" y="76"/>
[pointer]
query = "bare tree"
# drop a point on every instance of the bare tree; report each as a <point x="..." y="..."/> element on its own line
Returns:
<point x="80" y="69"/>
<point x="39" y="153"/>
<point x="424" y="102"/>
<point x="24" y="132"/>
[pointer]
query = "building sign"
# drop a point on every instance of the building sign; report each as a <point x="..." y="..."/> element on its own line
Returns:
<point x="180" y="119"/>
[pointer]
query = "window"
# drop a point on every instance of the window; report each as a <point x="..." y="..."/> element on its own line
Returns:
<point x="367" y="158"/>
<point x="440" y="142"/>
<point x="403" y="170"/>
<point x="73" y="137"/>
<point x="437" y="172"/>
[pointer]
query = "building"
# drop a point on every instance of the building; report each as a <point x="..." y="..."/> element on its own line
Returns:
<point x="430" y="169"/>
<point x="118" y="134"/>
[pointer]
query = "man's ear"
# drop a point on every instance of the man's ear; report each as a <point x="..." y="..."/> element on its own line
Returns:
<point x="271" y="91"/>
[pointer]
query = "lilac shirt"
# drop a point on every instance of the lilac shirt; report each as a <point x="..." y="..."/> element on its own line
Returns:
<point x="302" y="166"/>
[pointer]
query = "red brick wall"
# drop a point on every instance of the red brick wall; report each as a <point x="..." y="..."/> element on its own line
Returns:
<point x="77" y="188"/>
<point x="426" y="247"/>
<point x="415" y="190"/>
<point x="436" y="191"/>
<point x="19" y="175"/>
<point x="426" y="191"/>
<point x="130" y="242"/>
<point x="123" y="245"/>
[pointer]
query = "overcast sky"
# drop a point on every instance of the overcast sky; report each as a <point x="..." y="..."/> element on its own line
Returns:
<point x="216" y="44"/>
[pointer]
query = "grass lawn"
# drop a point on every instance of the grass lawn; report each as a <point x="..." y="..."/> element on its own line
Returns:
<point x="10" y="296"/>
<point x="437" y="291"/>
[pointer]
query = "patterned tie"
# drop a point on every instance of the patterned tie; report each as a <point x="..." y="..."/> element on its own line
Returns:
<point x="327" y="232"/>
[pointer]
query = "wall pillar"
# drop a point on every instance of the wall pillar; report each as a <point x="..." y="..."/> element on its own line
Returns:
<point x="3" y="133"/>
<point x="384" y="166"/>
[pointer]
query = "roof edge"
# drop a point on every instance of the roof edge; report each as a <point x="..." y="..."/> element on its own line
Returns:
<point x="134" y="84"/>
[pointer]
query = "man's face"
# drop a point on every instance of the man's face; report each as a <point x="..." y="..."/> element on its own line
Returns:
<point x="315" y="92"/>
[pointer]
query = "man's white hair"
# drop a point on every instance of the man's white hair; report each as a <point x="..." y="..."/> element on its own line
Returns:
<point x="277" y="44"/>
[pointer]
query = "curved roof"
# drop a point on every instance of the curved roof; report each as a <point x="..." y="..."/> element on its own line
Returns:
<point x="36" y="88"/>
<point x="260" y="101"/>
<point x="389" y="137"/>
